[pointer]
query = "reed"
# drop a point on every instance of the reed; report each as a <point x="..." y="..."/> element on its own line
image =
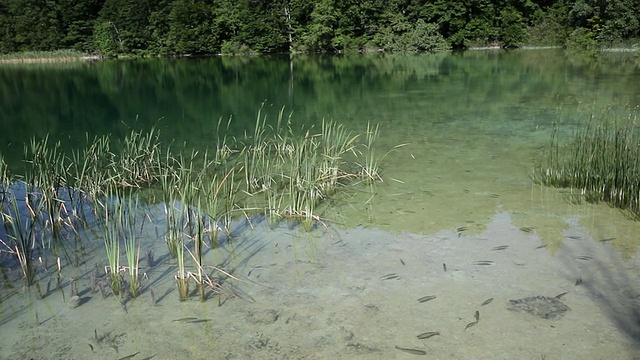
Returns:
<point x="601" y="161"/>
<point x="370" y="169"/>
<point x="20" y="230"/>
<point x="198" y="245"/>
<point x="112" y="222"/>
<point x="91" y="167"/>
<point x="47" y="174"/>
<point x="336" y="141"/>
<point x="182" y="276"/>
<point x="274" y="170"/>
<point x="131" y="246"/>
<point x="168" y="185"/>
<point x="139" y="162"/>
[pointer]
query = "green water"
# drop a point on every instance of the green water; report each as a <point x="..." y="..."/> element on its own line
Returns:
<point x="459" y="137"/>
<point x="473" y="123"/>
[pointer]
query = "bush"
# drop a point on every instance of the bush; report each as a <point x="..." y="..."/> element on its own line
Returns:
<point x="581" y="41"/>
<point x="421" y="37"/>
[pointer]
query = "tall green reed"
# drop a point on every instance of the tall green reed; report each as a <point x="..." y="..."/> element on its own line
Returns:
<point x="113" y="217"/>
<point x="131" y="244"/>
<point x="601" y="161"/>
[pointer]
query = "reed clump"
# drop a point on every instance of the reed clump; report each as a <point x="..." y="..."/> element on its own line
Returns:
<point x="278" y="171"/>
<point x="601" y="161"/>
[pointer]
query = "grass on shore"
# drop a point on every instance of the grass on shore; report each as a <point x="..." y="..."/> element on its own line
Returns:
<point x="42" y="56"/>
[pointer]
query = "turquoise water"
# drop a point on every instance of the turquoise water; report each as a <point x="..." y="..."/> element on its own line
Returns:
<point x="459" y="137"/>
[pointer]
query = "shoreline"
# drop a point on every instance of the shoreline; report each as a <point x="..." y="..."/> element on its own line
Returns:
<point x="61" y="59"/>
<point x="35" y="60"/>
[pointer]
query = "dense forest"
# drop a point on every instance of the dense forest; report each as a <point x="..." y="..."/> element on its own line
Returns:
<point x="170" y="27"/>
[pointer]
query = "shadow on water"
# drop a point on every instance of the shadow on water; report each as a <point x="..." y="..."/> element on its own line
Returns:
<point x="606" y="279"/>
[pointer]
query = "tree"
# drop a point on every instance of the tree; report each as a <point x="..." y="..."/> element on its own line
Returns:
<point x="77" y="21"/>
<point x="123" y="26"/>
<point x="7" y="29"/>
<point x="191" y="28"/>
<point x="320" y="30"/>
<point x="36" y="25"/>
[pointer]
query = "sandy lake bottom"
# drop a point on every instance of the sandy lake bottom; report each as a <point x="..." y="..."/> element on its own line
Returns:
<point x="350" y="294"/>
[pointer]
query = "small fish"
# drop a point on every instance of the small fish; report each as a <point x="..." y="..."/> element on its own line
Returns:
<point x="607" y="239"/>
<point x="477" y="315"/>
<point x="541" y="247"/>
<point x="199" y="321"/>
<point x="390" y="276"/>
<point x="574" y="237"/>
<point x="584" y="257"/>
<point x="501" y="247"/>
<point x="461" y="229"/>
<point x="526" y="229"/>
<point x="471" y="324"/>
<point x="129" y="356"/>
<point x="487" y="302"/>
<point x="444" y="266"/>
<point x="185" y="319"/>
<point x="426" y="298"/>
<point x="578" y="281"/>
<point x="412" y="351"/>
<point x="561" y="294"/>
<point x="401" y="262"/>
<point x="495" y="196"/>
<point x="483" y="262"/>
<point x="428" y="334"/>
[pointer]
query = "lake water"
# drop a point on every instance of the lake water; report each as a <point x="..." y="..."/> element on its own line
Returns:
<point x="472" y="126"/>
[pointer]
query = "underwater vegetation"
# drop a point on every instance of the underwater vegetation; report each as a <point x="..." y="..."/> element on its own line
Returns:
<point x="601" y="162"/>
<point x="66" y="207"/>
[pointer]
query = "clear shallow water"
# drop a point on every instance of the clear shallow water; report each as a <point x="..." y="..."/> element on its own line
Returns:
<point x="473" y="125"/>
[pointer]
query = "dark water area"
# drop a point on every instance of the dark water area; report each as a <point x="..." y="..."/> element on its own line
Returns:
<point x="186" y="98"/>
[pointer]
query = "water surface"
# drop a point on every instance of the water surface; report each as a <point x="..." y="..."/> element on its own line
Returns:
<point x="472" y="126"/>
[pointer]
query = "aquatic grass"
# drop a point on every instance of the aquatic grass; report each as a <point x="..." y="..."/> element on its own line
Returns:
<point x="112" y="210"/>
<point x="91" y="167"/>
<point x="198" y="238"/>
<point x="370" y="169"/>
<point x="131" y="246"/>
<point x="139" y="162"/>
<point x="20" y="230"/>
<point x="182" y="276"/>
<point x="46" y="174"/>
<point x="276" y="171"/>
<point x="297" y="170"/>
<point x="601" y="161"/>
<point x="336" y="141"/>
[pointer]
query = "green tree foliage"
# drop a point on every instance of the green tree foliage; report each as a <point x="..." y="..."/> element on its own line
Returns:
<point x="320" y="30"/>
<point x="7" y="29"/>
<point x="142" y="27"/>
<point x="36" y="24"/>
<point x="191" y="27"/>
<point x="123" y="26"/>
<point x="76" y="23"/>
